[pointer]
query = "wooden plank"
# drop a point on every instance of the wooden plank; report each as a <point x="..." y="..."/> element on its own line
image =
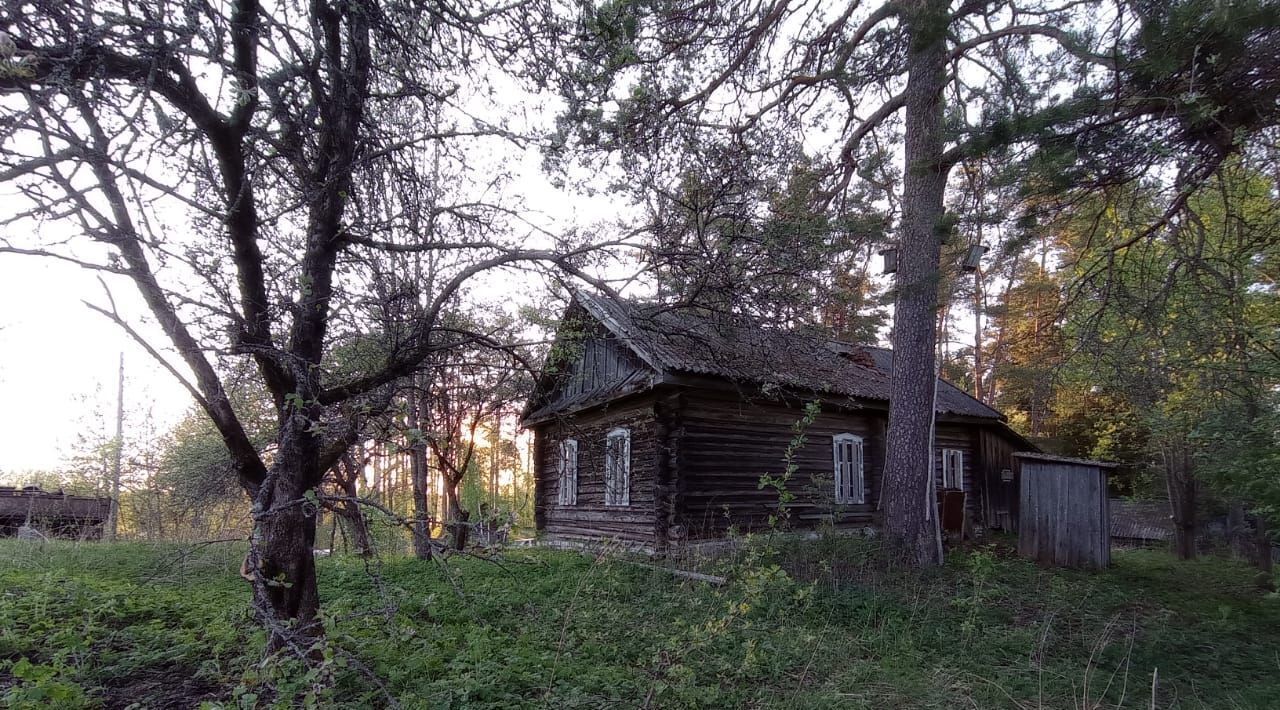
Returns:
<point x="1064" y="516"/>
<point x="590" y="517"/>
<point x="685" y="574"/>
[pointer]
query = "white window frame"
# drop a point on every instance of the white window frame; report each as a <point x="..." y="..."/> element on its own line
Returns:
<point x="847" y="465"/>
<point x="617" y="492"/>
<point x="953" y="469"/>
<point x="568" y="467"/>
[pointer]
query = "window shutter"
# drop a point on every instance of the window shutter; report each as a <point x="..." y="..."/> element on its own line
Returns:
<point x="625" y="470"/>
<point x="573" y="473"/>
<point x="860" y="492"/>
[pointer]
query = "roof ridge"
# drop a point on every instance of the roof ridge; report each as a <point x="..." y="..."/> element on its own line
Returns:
<point x="688" y="339"/>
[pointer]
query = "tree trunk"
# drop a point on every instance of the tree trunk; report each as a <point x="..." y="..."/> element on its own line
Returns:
<point x="422" y="545"/>
<point x="911" y="522"/>
<point x="1262" y="545"/>
<point x="281" y="564"/>
<point x="286" y="599"/>
<point x="494" y="437"/>
<point x="354" y="516"/>
<point x="459" y="528"/>
<point x="1237" y="530"/>
<point x="421" y="493"/>
<point x="1181" y="483"/>
<point x="979" y="304"/>
<point x="117" y="458"/>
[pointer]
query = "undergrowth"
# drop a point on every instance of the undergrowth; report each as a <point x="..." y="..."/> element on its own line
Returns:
<point x="822" y="623"/>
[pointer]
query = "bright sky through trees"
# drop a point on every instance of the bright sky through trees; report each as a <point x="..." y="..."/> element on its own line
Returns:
<point x="58" y="358"/>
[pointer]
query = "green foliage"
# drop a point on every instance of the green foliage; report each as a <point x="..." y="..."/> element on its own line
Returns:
<point x="40" y="686"/>
<point x="736" y="236"/>
<point x="121" y="623"/>
<point x="982" y="566"/>
<point x="808" y="624"/>
<point x="1176" y="333"/>
<point x="1195" y="53"/>
<point x="1240" y="454"/>
<point x="782" y="519"/>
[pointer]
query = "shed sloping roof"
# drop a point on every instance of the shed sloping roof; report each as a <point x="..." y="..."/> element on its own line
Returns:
<point x="1140" y="520"/>
<point x="31" y="500"/>
<point x="691" y="341"/>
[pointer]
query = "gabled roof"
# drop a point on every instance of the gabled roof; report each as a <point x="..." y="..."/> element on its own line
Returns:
<point x="687" y="340"/>
<point x="693" y="341"/>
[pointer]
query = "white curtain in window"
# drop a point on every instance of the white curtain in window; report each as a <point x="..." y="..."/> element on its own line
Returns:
<point x="846" y="456"/>
<point x="617" y="468"/>
<point x="568" y="494"/>
<point x="953" y="469"/>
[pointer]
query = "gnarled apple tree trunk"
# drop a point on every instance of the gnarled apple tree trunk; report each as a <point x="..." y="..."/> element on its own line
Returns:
<point x="286" y="599"/>
<point x="282" y="569"/>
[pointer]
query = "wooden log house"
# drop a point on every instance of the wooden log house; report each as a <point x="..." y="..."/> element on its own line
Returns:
<point x="655" y="426"/>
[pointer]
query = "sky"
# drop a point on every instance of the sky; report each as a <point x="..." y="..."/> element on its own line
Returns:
<point x="59" y="359"/>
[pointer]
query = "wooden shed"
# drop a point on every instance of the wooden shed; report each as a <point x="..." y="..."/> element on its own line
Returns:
<point x="1064" y="512"/>
<point x="53" y="513"/>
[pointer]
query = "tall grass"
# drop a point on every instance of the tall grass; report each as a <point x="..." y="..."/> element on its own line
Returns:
<point x="800" y="624"/>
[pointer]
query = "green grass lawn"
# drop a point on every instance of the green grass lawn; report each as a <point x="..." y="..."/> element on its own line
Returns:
<point x="100" y="625"/>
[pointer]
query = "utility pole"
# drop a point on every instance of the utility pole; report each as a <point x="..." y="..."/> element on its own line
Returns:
<point x="494" y="439"/>
<point x="117" y="445"/>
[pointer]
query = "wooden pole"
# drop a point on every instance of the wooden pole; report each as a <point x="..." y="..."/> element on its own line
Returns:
<point x="494" y="438"/>
<point x="117" y="445"/>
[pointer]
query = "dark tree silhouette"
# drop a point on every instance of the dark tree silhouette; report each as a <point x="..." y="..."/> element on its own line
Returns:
<point x="259" y="172"/>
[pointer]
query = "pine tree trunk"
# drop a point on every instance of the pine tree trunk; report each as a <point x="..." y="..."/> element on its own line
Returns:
<point x="979" y="303"/>
<point x="422" y="546"/>
<point x="910" y="519"/>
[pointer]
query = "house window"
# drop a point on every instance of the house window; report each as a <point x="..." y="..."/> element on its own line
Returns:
<point x="568" y="494"/>
<point x="953" y="469"/>
<point x="846" y="456"/>
<point x="617" y="468"/>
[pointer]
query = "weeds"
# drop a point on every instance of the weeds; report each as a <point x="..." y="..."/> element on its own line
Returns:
<point x="801" y="624"/>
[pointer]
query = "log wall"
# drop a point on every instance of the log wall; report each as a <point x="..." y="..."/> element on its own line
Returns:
<point x="998" y="498"/>
<point x="590" y="518"/>
<point x="958" y="436"/>
<point x="698" y="457"/>
<point x="727" y="444"/>
<point x="52" y="513"/>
